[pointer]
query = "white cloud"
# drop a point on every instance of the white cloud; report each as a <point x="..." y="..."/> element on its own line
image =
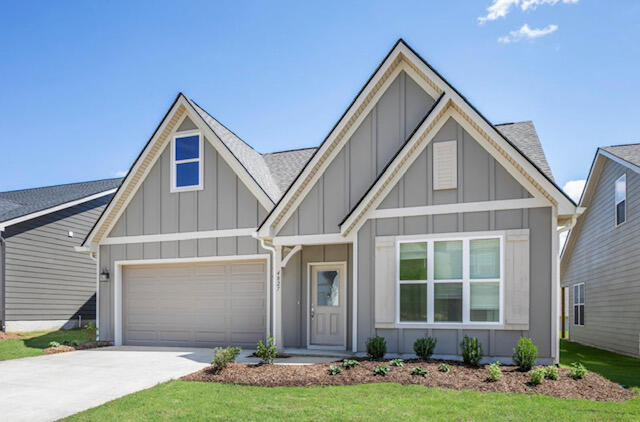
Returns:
<point x="527" y="33"/>
<point x="574" y="188"/>
<point x="500" y="8"/>
<point x="120" y="173"/>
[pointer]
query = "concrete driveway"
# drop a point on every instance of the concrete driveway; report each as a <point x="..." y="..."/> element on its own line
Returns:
<point x="47" y="388"/>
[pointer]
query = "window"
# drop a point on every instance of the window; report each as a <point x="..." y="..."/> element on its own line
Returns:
<point x="450" y="280"/>
<point x="621" y="199"/>
<point x="186" y="162"/>
<point x="578" y="304"/>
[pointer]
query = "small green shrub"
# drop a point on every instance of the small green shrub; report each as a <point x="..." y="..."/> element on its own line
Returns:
<point x="75" y="343"/>
<point x="577" y="371"/>
<point x="350" y="363"/>
<point x="419" y="371"/>
<point x="551" y="372"/>
<point x="471" y="350"/>
<point x="495" y="373"/>
<point x="536" y="376"/>
<point x="376" y="347"/>
<point x="396" y="362"/>
<point x="266" y="353"/>
<point x="424" y="347"/>
<point x="443" y="367"/>
<point x="334" y="370"/>
<point x="381" y="370"/>
<point x="90" y="332"/>
<point x="54" y="344"/>
<point x="525" y="354"/>
<point x="222" y="357"/>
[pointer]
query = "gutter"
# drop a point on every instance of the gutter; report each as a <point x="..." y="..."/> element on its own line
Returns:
<point x="3" y="250"/>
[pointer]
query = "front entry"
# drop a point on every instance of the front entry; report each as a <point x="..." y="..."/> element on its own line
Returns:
<point x="328" y="306"/>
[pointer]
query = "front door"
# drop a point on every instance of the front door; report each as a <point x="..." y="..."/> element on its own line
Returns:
<point x="328" y="311"/>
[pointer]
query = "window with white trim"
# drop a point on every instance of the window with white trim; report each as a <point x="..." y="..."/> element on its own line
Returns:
<point x="578" y="304"/>
<point x="450" y="281"/>
<point x="621" y="199"/>
<point x="186" y="162"/>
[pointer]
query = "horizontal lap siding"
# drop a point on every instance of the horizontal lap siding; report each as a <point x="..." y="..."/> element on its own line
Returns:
<point x="46" y="279"/>
<point x="607" y="259"/>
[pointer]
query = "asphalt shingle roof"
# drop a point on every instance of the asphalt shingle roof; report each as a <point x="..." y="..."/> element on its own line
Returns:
<point x="629" y="152"/>
<point x="523" y="135"/>
<point x="285" y="165"/>
<point x="17" y="203"/>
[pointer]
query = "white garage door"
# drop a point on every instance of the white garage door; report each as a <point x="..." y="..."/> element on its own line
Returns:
<point x="196" y="305"/>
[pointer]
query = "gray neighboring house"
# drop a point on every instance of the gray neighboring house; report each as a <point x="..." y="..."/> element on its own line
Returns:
<point x="415" y="216"/>
<point x="44" y="282"/>
<point x="600" y="264"/>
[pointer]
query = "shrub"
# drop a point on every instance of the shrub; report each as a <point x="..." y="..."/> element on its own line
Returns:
<point x="424" y="347"/>
<point x="495" y="373"/>
<point x="551" y="372"/>
<point x="443" y="367"/>
<point x="90" y="332"/>
<point x="525" y="354"/>
<point x="471" y="350"/>
<point x="266" y="353"/>
<point x="396" y="362"/>
<point x="536" y="376"/>
<point x="577" y="371"/>
<point x="380" y="370"/>
<point x="54" y="344"/>
<point x="350" y="363"/>
<point x="222" y="357"/>
<point x="376" y="347"/>
<point x="334" y="370"/>
<point x="419" y="371"/>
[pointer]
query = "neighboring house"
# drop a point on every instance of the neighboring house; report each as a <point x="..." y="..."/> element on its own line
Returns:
<point x="414" y="216"/>
<point x="44" y="282"/>
<point x="600" y="264"/>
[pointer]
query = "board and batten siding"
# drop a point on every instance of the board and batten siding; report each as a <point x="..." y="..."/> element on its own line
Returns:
<point x="46" y="279"/>
<point x="362" y="159"/>
<point x="606" y="259"/>
<point x="224" y="203"/>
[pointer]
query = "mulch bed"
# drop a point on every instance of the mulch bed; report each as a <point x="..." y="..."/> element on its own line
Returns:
<point x="592" y="387"/>
<point x="7" y="336"/>
<point x="83" y="346"/>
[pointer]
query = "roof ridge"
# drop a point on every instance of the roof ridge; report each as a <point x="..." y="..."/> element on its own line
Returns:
<point x="513" y="123"/>
<point x="621" y="145"/>
<point x="288" y="150"/>
<point x="61" y="184"/>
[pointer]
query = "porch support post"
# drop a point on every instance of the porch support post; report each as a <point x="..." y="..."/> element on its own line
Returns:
<point x="277" y="278"/>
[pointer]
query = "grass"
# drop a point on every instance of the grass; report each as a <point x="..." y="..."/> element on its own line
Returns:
<point x="617" y="368"/>
<point x="191" y="401"/>
<point x="33" y="343"/>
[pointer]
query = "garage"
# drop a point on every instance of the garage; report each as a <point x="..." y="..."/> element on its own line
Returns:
<point x="195" y="304"/>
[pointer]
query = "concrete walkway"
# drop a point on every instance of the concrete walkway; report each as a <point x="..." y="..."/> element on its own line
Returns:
<point x="47" y="388"/>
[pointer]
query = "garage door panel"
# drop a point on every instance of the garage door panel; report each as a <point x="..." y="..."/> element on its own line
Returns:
<point x="204" y="304"/>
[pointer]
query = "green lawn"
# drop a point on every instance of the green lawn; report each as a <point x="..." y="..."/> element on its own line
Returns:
<point x="33" y="343"/>
<point x="191" y="401"/>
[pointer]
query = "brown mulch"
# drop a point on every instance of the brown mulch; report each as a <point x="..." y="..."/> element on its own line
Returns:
<point x="592" y="387"/>
<point x="7" y="336"/>
<point x="83" y="346"/>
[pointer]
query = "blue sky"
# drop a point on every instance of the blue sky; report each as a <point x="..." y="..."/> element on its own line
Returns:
<point x="84" y="84"/>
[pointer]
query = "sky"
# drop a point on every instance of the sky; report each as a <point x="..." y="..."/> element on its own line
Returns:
<point x="84" y="84"/>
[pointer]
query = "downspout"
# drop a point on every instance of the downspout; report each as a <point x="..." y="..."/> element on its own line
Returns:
<point x="274" y="274"/>
<point x="3" y="251"/>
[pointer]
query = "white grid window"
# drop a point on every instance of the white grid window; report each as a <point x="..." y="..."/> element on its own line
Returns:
<point x="187" y="162"/>
<point x="578" y="304"/>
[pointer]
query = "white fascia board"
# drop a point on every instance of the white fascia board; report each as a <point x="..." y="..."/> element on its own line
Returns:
<point x="168" y="237"/>
<point x="54" y="209"/>
<point x="311" y="239"/>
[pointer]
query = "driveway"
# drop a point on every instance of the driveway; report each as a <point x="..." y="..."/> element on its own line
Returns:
<point x="46" y="388"/>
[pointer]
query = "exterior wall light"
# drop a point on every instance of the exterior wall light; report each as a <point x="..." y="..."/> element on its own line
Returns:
<point x="104" y="275"/>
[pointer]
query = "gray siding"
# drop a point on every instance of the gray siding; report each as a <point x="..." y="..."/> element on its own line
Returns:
<point x="46" y="279"/>
<point x="606" y="259"/>
<point x="294" y="290"/>
<point x="362" y="159"/>
<point x="224" y="203"/>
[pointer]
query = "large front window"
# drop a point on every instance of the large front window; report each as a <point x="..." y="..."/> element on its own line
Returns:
<point x="454" y="280"/>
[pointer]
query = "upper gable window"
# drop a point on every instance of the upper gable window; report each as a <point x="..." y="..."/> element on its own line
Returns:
<point x="186" y="162"/>
<point x="445" y="165"/>
<point x="621" y="199"/>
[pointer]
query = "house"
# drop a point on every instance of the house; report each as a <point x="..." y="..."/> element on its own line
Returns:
<point x="600" y="269"/>
<point x="414" y="216"/>
<point x="44" y="283"/>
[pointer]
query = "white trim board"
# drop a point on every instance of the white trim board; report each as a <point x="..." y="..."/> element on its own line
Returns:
<point x="54" y="209"/>
<point x="117" y="288"/>
<point x="168" y="237"/>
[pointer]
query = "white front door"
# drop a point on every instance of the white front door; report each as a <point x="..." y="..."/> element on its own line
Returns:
<point x="328" y="310"/>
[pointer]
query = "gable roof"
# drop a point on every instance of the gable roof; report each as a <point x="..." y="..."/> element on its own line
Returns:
<point x="286" y="165"/>
<point x="20" y="203"/>
<point x="524" y="136"/>
<point x="629" y="152"/>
